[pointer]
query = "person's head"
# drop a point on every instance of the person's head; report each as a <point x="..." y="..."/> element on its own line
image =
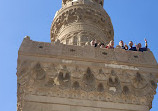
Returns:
<point x="111" y="43"/>
<point x="139" y="45"/>
<point x="101" y="46"/>
<point x="99" y="43"/>
<point x="126" y="47"/>
<point x="130" y="44"/>
<point x="121" y="43"/>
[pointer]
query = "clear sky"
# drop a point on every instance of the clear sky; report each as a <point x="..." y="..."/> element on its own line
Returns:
<point x="132" y="20"/>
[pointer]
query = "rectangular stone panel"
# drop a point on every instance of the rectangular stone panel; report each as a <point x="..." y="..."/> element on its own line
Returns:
<point x="37" y="103"/>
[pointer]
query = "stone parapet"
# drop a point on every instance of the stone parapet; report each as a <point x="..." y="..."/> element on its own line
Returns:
<point x="88" y="53"/>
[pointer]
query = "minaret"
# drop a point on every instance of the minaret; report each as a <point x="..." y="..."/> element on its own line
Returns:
<point x="80" y="21"/>
<point x="67" y="75"/>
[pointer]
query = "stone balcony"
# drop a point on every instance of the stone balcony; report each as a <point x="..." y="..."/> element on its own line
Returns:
<point x="88" y="53"/>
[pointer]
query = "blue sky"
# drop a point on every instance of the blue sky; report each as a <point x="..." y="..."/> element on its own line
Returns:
<point x="132" y="20"/>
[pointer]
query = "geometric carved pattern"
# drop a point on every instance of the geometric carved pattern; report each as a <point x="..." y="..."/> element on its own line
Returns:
<point x="86" y="86"/>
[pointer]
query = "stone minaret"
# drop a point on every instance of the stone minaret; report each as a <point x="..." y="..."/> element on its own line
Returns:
<point x="79" y="21"/>
<point x="67" y="75"/>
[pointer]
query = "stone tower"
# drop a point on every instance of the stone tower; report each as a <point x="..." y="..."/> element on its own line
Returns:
<point x="67" y="75"/>
<point x="79" y="21"/>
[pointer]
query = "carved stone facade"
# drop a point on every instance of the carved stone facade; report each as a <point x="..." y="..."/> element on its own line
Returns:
<point x="75" y="24"/>
<point x="67" y="75"/>
<point x="58" y="71"/>
<point x="109" y="85"/>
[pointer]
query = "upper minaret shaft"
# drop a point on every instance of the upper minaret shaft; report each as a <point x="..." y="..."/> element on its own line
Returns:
<point x="80" y="21"/>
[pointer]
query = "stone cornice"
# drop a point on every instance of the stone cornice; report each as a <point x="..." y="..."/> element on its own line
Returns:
<point x="85" y="103"/>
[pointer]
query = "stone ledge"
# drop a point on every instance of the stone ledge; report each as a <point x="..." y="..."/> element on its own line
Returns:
<point x="85" y="103"/>
<point x="29" y="47"/>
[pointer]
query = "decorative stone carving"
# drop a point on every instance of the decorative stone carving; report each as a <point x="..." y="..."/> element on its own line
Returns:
<point x="101" y="75"/>
<point x="92" y="85"/>
<point x="39" y="72"/>
<point x="113" y="80"/>
<point x="63" y="78"/>
<point x="50" y="82"/>
<point x="75" y="85"/>
<point x="85" y="15"/>
<point x="100" y="87"/>
<point x="126" y="90"/>
<point x="89" y="80"/>
<point x="139" y="81"/>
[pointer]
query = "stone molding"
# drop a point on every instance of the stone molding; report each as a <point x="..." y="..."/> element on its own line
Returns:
<point x="85" y="103"/>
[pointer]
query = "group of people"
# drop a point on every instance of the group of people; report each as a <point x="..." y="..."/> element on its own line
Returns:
<point x="137" y="47"/>
<point x="102" y="45"/>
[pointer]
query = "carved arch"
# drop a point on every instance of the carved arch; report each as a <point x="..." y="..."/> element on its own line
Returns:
<point x="100" y="87"/>
<point x="89" y="80"/>
<point x="139" y="82"/>
<point x="39" y="72"/>
<point x="75" y="85"/>
<point x="113" y="80"/>
<point x="125" y="90"/>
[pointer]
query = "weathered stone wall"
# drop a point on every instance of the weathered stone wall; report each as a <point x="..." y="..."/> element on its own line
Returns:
<point x="57" y="77"/>
<point x="88" y="53"/>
